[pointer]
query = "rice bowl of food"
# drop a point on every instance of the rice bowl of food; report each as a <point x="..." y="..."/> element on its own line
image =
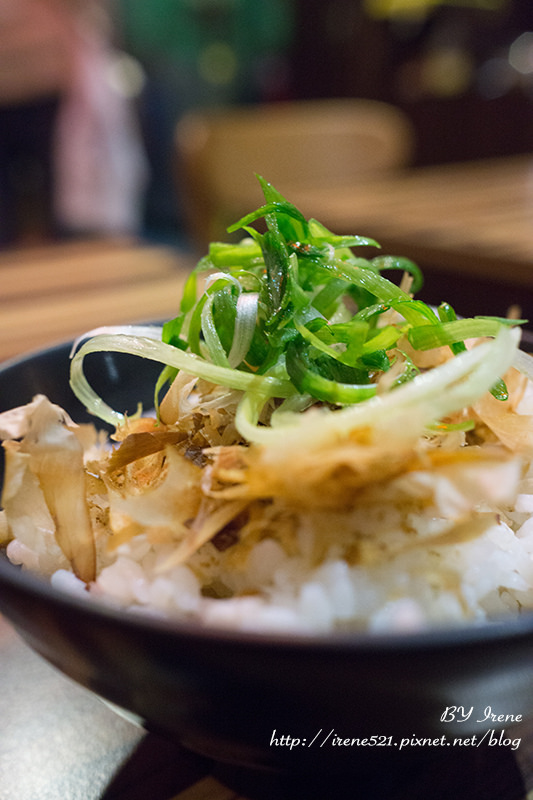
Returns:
<point x="306" y="473"/>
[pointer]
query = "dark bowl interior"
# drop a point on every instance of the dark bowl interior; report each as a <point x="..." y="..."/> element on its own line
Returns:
<point x="234" y="696"/>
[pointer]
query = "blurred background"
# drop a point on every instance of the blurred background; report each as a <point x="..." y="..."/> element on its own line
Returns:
<point x="91" y="91"/>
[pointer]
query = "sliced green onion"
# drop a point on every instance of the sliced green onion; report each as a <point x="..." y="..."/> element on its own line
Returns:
<point x="404" y="412"/>
<point x="217" y="354"/>
<point x="294" y="313"/>
<point x="276" y="206"/>
<point x="170" y="356"/>
<point x="290" y="409"/>
<point x="233" y="255"/>
<point x="426" y="337"/>
<point x="499" y="390"/>
<point x="145" y="331"/>
<point x="450" y="427"/>
<point x="383" y="339"/>
<point x="318" y="344"/>
<point x="319" y="233"/>
<point x="403" y="264"/>
<point x="308" y="381"/>
<point x="245" y="322"/>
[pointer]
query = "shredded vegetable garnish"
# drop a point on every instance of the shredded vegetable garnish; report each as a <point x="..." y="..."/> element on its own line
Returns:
<point x="293" y="311"/>
<point x="324" y="448"/>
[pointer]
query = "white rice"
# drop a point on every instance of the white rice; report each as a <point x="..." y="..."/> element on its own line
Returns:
<point x="476" y="580"/>
<point x="406" y="588"/>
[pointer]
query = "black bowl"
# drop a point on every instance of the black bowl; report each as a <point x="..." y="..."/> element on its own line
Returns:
<point x="270" y="701"/>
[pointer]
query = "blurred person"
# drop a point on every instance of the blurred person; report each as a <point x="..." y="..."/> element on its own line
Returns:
<point x="67" y="132"/>
<point x="199" y="53"/>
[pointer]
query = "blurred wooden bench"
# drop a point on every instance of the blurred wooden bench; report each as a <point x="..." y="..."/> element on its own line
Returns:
<point x="53" y="293"/>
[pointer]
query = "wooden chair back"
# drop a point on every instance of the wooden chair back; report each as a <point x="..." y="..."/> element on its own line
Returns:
<point x="291" y="144"/>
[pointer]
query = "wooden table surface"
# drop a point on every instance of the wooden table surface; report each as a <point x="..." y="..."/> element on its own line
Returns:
<point x="474" y="216"/>
<point x="58" y="741"/>
<point x="461" y="222"/>
<point x="52" y="293"/>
